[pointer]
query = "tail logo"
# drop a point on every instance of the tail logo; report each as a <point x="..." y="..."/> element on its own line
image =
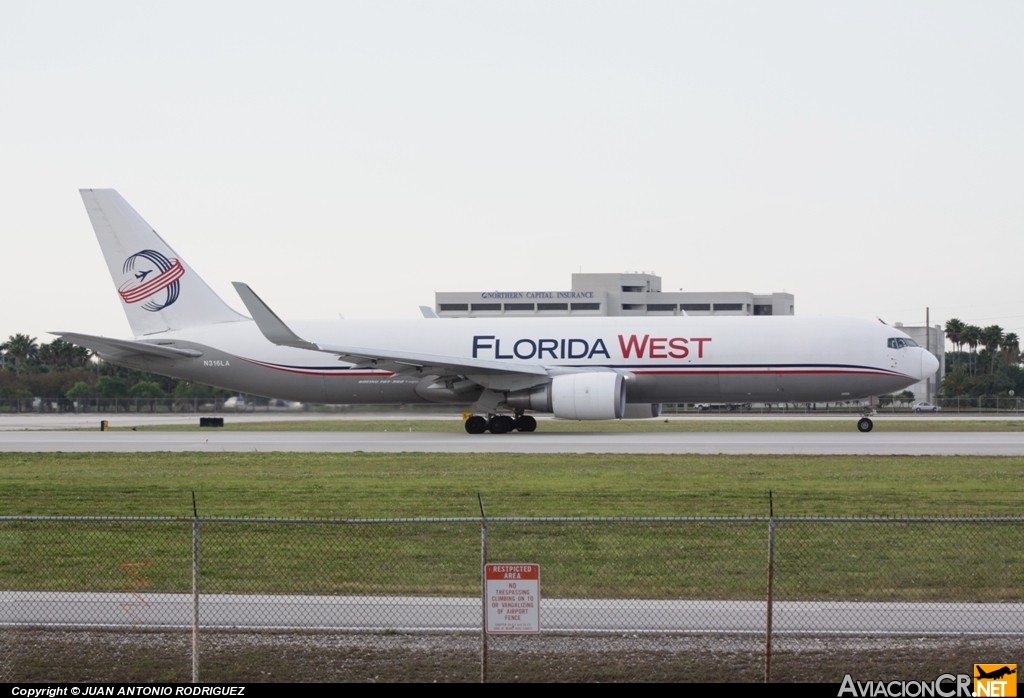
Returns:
<point x="144" y="285"/>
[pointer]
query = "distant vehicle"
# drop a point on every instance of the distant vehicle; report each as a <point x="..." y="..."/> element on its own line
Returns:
<point x="731" y="406"/>
<point x="41" y="405"/>
<point x="238" y="403"/>
<point x="278" y="405"/>
<point x="926" y="407"/>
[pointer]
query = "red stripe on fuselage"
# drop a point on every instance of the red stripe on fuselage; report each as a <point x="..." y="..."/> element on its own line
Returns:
<point x="333" y="372"/>
<point x="746" y="372"/>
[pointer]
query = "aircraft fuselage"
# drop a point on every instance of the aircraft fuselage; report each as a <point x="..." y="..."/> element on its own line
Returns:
<point x="671" y="359"/>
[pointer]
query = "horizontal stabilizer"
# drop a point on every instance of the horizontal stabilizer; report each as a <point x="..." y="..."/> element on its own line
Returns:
<point x="114" y="349"/>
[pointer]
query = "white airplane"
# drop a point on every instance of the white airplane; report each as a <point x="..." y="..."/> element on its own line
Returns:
<point x="578" y="368"/>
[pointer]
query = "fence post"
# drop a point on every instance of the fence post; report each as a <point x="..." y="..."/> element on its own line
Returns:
<point x="483" y="590"/>
<point x="771" y="591"/>
<point x="195" y="591"/>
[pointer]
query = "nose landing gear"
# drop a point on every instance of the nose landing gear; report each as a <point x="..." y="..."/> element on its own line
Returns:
<point x="864" y="424"/>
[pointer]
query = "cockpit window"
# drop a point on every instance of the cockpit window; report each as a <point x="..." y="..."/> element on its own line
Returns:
<point x="901" y="342"/>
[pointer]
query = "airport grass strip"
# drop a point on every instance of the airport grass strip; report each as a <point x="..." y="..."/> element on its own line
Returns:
<point x="361" y="487"/>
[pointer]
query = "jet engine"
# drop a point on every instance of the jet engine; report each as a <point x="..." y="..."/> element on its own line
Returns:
<point x="593" y="395"/>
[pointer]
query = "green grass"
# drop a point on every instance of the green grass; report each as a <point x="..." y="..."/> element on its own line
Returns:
<point x="385" y="485"/>
<point x="639" y="559"/>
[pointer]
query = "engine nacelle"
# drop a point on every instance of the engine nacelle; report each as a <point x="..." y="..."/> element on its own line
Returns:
<point x="594" y="395"/>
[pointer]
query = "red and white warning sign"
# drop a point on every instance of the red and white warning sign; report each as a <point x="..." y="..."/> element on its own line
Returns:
<point x="513" y="597"/>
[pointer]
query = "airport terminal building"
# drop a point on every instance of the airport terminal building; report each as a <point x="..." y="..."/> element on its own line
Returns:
<point x="637" y="293"/>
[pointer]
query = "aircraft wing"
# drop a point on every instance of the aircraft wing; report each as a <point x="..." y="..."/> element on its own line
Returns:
<point x="114" y="349"/>
<point x="276" y="331"/>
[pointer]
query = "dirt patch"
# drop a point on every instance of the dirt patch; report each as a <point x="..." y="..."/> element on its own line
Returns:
<point x="99" y="656"/>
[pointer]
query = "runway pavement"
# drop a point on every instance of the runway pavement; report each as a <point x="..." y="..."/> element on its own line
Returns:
<point x="464" y="614"/>
<point x="77" y="433"/>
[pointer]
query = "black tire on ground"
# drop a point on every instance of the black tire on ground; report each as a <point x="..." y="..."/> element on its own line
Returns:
<point x="502" y="424"/>
<point x="526" y="423"/>
<point x="476" y="424"/>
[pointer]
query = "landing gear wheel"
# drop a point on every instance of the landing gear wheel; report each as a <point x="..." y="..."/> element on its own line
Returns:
<point x="476" y="424"/>
<point x="526" y="423"/>
<point x="502" y="424"/>
<point x="865" y="425"/>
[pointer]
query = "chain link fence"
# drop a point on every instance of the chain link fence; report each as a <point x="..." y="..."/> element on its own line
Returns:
<point x="629" y="600"/>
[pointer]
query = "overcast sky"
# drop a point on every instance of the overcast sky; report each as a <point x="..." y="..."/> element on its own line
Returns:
<point x="357" y="157"/>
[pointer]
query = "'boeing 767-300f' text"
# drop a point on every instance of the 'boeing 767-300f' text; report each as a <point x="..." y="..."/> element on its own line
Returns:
<point x="498" y="368"/>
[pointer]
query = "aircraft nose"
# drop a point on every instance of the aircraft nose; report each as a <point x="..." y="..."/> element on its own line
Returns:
<point x="929" y="364"/>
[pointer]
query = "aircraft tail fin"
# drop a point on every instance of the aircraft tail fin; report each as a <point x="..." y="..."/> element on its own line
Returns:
<point x="159" y="291"/>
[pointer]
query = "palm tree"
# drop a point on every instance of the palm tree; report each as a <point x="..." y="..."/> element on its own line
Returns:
<point x="992" y="339"/>
<point x="971" y="336"/>
<point x="954" y="333"/>
<point x="1010" y="348"/>
<point x="21" y="350"/>
<point x="63" y="355"/>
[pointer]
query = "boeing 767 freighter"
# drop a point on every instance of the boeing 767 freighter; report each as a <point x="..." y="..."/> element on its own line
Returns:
<point x="497" y="370"/>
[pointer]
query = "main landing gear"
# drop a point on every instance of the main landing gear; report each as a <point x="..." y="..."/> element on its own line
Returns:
<point x="500" y="423"/>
